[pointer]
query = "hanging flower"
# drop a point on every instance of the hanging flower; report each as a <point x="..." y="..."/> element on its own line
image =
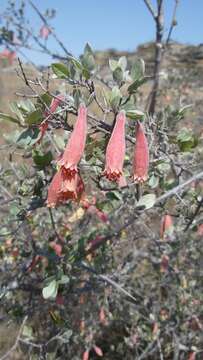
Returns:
<point x="115" y="151"/>
<point x="166" y="226"/>
<point x="63" y="188"/>
<point x="141" y="156"/>
<point x="76" y="144"/>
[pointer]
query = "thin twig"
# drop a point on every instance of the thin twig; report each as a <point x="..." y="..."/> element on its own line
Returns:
<point x="17" y="340"/>
<point x="150" y="8"/>
<point x="105" y="278"/>
<point x="199" y="205"/>
<point x="54" y="225"/>
<point x="173" y="22"/>
<point x="159" y="21"/>
<point x="52" y="32"/>
<point x="136" y="214"/>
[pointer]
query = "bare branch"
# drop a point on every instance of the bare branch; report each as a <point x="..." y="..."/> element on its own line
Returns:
<point x="53" y="33"/>
<point x="17" y="340"/>
<point x="158" y="55"/>
<point x="173" y="22"/>
<point x="150" y="8"/>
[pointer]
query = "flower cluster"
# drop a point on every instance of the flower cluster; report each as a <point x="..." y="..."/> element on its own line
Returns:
<point x="67" y="183"/>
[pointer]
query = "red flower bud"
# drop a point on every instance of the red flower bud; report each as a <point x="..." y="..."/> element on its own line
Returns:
<point x="44" y="32"/>
<point x="115" y="151"/>
<point x="164" y="263"/>
<point x="192" y="356"/>
<point x="9" y="55"/>
<point x="98" y="350"/>
<point x="166" y="226"/>
<point x="85" y="355"/>
<point x="141" y="156"/>
<point x="56" y="247"/>
<point x="44" y="125"/>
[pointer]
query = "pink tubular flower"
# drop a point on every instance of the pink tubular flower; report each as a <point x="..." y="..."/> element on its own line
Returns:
<point x="85" y="355"/>
<point x="115" y="151"/>
<point x="141" y="156"/>
<point x="62" y="188"/>
<point x="55" y="103"/>
<point x="76" y="144"/>
<point x="98" y="350"/>
<point x="166" y="226"/>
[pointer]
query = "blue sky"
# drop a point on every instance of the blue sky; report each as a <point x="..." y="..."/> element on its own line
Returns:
<point x="119" y="24"/>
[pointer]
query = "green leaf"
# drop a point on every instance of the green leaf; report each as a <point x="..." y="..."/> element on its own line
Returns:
<point x="77" y="97"/>
<point x="115" y="97"/>
<point x="65" y="337"/>
<point x="42" y="160"/>
<point x="113" y="64"/>
<point x="27" y="332"/>
<point x="136" y="84"/>
<point x="14" y="106"/>
<point x="50" y="291"/>
<point x="28" y="137"/>
<point x="9" y="118"/>
<point x="12" y="137"/>
<point x="186" y="140"/>
<point x="122" y="62"/>
<point x="60" y="141"/>
<point x="34" y="117"/>
<point x="164" y="167"/>
<point x="138" y="69"/>
<point x="26" y="106"/>
<point x="114" y="195"/>
<point x="77" y="64"/>
<point x="118" y="75"/>
<point x="147" y="201"/>
<point x="153" y="181"/>
<point x="60" y="70"/>
<point x="134" y="114"/>
<point x="88" y="49"/>
<point x="64" y="280"/>
<point x="88" y="61"/>
<point x="46" y="98"/>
